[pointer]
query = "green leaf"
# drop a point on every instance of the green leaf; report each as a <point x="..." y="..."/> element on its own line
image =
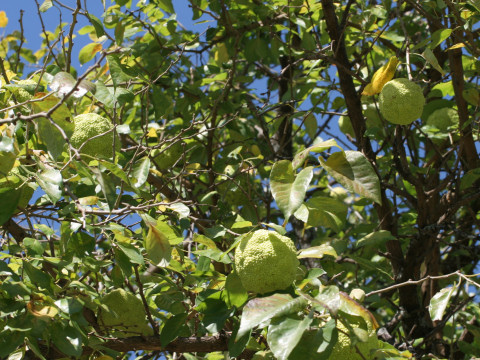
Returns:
<point x="329" y="298"/>
<point x="354" y="172"/>
<point x="67" y="339"/>
<point x="47" y="4"/>
<point x="166" y="5"/>
<point x="323" y="211"/>
<point x="51" y="182"/>
<point x="439" y="302"/>
<point x="285" y="333"/>
<point x="234" y="293"/>
<point x="117" y="70"/>
<point x="289" y="190"/>
<point x="172" y="328"/>
<point x="317" y="252"/>
<point x="132" y="253"/>
<point x="88" y="52"/>
<point x="97" y="24"/>
<point x="7" y="160"/>
<point x="260" y="310"/>
<point x="158" y="247"/>
<point x="9" y="200"/>
<point x="110" y="96"/>
<point x="107" y="186"/>
<point x="119" y="33"/>
<point x="37" y="276"/>
<point x="140" y="171"/>
<point x="375" y="238"/>
<point x="432" y="60"/>
<point x="439" y="36"/>
<point x="300" y="157"/>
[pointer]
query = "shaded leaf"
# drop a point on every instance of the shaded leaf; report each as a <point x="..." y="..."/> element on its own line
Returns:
<point x="234" y="293"/>
<point x="432" y="60"/>
<point x="323" y="211"/>
<point x="132" y="252"/>
<point x="172" y="328"/>
<point x="107" y="186"/>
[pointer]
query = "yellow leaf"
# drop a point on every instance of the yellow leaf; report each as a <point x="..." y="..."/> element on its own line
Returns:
<point x="381" y="77"/>
<point x="3" y="19"/>
<point x="88" y="200"/>
<point x="152" y="132"/>
<point x="42" y="311"/>
<point x="456" y="46"/>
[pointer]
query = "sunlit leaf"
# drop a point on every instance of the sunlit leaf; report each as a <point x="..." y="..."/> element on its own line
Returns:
<point x="288" y="189"/>
<point x="317" y="252"/>
<point x="88" y="52"/>
<point x="354" y="172"/>
<point x="285" y="333"/>
<point x="259" y="310"/>
<point x="140" y="171"/>
<point x="381" y="77"/>
<point x="158" y="247"/>
<point x="439" y="302"/>
<point x="3" y="19"/>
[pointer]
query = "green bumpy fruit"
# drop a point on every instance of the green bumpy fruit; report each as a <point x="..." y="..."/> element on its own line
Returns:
<point x="343" y="349"/>
<point x="125" y="316"/>
<point x="266" y="261"/>
<point x="401" y="101"/>
<point x="21" y="94"/>
<point x="443" y="118"/>
<point x="90" y="125"/>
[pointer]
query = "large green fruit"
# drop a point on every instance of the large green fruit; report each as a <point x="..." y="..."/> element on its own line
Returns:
<point x="125" y="315"/>
<point x="89" y="125"/>
<point x="401" y="101"/>
<point x="266" y="261"/>
<point x="343" y="349"/>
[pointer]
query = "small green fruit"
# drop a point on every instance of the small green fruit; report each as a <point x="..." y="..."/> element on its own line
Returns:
<point x="443" y="118"/>
<point x="266" y="261"/>
<point x="89" y="125"/>
<point x="345" y="126"/>
<point x="401" y="101"/>
<point x="20" y="93"/>
<point x="125" y="315"/>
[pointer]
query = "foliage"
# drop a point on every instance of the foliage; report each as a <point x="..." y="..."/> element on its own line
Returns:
<point x="217" y="133"/>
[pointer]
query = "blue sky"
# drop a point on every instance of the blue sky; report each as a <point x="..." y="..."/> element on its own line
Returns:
<point x="32" y="25"/>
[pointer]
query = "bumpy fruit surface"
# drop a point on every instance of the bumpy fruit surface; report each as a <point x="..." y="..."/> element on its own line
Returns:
<point x="266" y="261"/>
<point x="443" y="118"/>
<point x="343" y="349"/>
<point x="22" y="94"/>
<point x="125" y="315"/>
<point x="88" y="126"/>
<point x="401" y="101"/>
